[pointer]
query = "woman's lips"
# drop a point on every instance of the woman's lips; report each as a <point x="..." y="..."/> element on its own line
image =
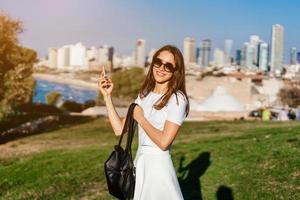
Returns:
<point x="160" y="74"/>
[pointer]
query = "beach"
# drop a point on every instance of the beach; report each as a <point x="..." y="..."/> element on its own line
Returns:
<point x="67" y="80"/>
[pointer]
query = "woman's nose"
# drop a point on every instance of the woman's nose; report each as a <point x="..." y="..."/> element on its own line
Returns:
<point x="162" y="67"/>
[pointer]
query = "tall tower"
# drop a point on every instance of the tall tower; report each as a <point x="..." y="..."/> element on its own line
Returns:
<point x="219" y="58"/>
<point x="243" y="54"/>
<point x="263" y="56"/>
<point x="228" y="51"/>
<point x="111" y="57"/>
<point x="105" y="56"/>
<point x="205" y="52"/>
<point x="52" y="57"/>
<point x="63" y="56"/>
<point x="254" y="41"/>
<point x="78" y="56"/>
<point x="293" y="54"/>
<point x="277" y="48"/>
<point x="140" y="56"/>
<point x="189" y="50"/>
<point x="249" y="52"/>
<point x="238" y="57"/>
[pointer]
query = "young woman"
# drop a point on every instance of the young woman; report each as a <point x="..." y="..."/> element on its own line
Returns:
<point x="163" y="106"/>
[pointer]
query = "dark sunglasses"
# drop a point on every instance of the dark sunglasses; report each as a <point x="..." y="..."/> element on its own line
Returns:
<point x="168" y="67"/>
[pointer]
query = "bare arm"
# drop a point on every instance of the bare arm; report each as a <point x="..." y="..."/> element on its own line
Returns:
<point x="106" y="87"/>
<point x="115" y="120"/>
<point x="161" y="138"/>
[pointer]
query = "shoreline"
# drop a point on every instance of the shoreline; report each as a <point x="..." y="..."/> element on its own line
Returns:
<point x="68" y="81"/>
<point x="193" y="116"/>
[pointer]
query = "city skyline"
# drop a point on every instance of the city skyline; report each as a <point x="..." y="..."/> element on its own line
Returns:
<point x="95" y="23"/>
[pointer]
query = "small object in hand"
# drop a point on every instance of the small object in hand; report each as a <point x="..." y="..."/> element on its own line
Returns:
<point x="103" y="70"/>
<point x="106" y="86"/>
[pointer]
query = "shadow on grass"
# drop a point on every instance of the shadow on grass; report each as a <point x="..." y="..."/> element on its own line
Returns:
<point x="190" y="179"/>
<point x="224" y="193"/>
<point x="190" y="184"/>
<point x="62" y="121"/>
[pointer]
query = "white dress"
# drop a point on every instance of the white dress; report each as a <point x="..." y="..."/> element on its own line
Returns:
<point x="155" y="173"/>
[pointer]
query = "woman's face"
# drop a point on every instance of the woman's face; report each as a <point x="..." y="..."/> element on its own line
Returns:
<point x="161" y="69"/>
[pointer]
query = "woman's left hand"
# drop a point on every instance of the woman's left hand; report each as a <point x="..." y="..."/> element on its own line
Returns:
<point x="138" y="113"/>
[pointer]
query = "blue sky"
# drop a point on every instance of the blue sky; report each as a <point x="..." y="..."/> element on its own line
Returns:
<point x="120" y="22"/>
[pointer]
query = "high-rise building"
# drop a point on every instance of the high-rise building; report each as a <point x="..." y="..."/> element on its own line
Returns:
<point x="52" y="57"/>
<point x="263" y="50"/>
<point x="105" y="56"/>
<point x="78" y="56"/>
<point x="228" y="51"/>
<point x="92" y="59"/>
<point x="63" y="57"/>
<point x="219" y="58"/>
<point x="277" y="48"/>
<point x="298" y="57"/>
<point x="198" y="54"/>
<point x="243" y="54"/>
<point x="111" y="51"/>
<point x="238" y="57"/>
<point x="140" y="56"/>
<point x="293" y="54"/>
<point x="249" y="51"/>
<point x="92" y="54"/>
<point x="205" y="52"/>
<point x="254" y="41"/>
<point x="189" y="50"/>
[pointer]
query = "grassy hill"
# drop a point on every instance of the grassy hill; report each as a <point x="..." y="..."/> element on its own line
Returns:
<point x="246" y="160"/>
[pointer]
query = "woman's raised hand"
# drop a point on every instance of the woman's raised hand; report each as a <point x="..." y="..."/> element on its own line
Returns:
<point x="105" y="84"/>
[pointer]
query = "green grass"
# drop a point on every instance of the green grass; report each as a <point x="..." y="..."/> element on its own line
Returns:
<point x="250" y="160"/>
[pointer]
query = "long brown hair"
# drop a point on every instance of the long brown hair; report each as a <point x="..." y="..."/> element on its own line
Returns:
<point x="176" y="83"/>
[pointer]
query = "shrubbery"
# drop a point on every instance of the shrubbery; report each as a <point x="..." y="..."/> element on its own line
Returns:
<point x="128" y="82"/>
<point x="53" y="98"/>
<point x="39" y="108"/>
<point x="290" y="96"/>
<point x="73" y="106"/>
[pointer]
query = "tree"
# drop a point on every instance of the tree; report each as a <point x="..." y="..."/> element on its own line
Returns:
<point x="72" y="106"/>
<point x="290" y="96"/>
<point x="53" y="98"/>
<point x="127" y="83"/>
<point x="16" y="67"/>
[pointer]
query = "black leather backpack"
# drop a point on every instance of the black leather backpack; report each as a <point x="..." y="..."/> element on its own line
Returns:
<point x="119" y="168"/>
